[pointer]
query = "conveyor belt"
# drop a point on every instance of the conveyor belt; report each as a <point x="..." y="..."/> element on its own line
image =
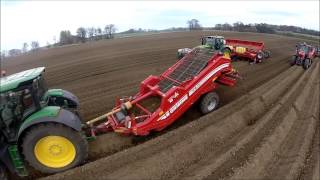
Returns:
<point x="190" y="67"/>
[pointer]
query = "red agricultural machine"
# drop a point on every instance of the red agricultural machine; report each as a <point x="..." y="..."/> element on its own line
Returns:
<point x="252" y="51"/>
<point x="304" y="55"/>
<point x="162" y="100"/>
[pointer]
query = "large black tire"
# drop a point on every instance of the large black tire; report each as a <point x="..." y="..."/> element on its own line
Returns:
<point x="38" y="132"/>
<point x="234" y="58"/>
<point x="180" y="55"/>
<point x="306" y="63"/>
<point x="266" y="54"/>
<point x="3" y="173"/>
<point x="209" y="102"/>
<point x="293" y="60"/>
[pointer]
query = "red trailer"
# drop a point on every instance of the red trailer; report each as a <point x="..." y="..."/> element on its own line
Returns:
<point x="163" y="99"/>
<point x="253" y="51"/>
<point x="240" y="49"/>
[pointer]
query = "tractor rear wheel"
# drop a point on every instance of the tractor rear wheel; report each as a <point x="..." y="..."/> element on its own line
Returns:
<point x="3" y="173"/>
<point x="209" y="102"/>
<point x="306" y="64"/>
<point x="52" y="148"/>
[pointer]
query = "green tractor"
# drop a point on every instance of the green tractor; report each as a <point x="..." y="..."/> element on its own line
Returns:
<point x="39" y="126"/>
<point x="209" y="42"/>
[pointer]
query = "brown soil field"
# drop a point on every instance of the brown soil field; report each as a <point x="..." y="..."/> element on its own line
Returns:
<point x="267" y="126"/>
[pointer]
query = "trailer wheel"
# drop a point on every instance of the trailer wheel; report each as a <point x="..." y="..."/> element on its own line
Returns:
<point x="52" y="148"/>
<point x="306" y="64"/>
<point x="234" y="58"/>
<point x="3" y="173"/>
<point x="209" y="102"/>
<point x="266" y="54"/>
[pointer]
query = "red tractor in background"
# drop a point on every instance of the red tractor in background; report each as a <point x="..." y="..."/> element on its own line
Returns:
<point x="304" y="55"/>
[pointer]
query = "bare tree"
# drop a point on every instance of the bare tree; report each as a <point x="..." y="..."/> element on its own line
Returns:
<point x="34" y="45"/>
<point x="238" y="26"/>
<point x="98" y="33"/>
<point x="82" y="33"/>
<point x="110" y="29"/>
<point x="193" y="24"/>
<point x="66" y="37"/>
<point x="15" y="52"/>
<point x="91" y="32"/>
<point x="25" y="47"/>
<point x="227" y="27"/>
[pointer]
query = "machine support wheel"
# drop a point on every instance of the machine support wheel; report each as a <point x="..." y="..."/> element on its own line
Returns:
<point x="3" y="173"/>
<point x="259" y="57"/>
<point x="306" y="64"/>
<point x="209" y="102"/>
<point x="52" y="148"/>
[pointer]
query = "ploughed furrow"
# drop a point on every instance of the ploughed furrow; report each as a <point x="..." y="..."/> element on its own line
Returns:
<point x="282" y="153"/>
<point x="311" y="168"/>
<point x="215" y="167"/>
<point x="208" y="141"/>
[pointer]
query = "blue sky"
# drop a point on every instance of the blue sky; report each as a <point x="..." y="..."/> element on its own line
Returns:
<point x="25" y="21"/>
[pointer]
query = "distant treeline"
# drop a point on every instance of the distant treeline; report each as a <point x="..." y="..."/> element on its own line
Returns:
<point x="264" y="28"/>
<point x="109" y="32"/>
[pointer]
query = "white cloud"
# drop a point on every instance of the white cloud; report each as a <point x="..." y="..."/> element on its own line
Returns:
<point x="24" y="21"/>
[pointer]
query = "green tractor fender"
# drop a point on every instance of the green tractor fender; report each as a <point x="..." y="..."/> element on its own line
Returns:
<point x="62" y="98"/>
<point x="53" y="114"/>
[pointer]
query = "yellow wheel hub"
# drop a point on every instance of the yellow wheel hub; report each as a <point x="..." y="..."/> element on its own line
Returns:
<point x="226" y="54"/>
<point x="55" y="151"/>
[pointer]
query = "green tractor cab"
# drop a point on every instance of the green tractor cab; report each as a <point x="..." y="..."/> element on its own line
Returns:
<point x="39" y="126"/>
<point x="216" y="43"/>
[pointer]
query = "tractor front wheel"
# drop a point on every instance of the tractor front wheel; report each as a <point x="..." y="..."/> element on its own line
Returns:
<point x="306" y="64"/>
<point x="52" y="148"/>
<point x="209" y="102"/>
<point x="3" y="173"/>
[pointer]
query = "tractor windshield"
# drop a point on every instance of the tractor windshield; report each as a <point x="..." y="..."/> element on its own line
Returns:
<point x="214" y="42"/>
<point x="303" y="48"/>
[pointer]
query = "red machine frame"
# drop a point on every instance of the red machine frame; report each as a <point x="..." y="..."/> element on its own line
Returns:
<point x="253" y="50"/>
<point x="174" y="101"/>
